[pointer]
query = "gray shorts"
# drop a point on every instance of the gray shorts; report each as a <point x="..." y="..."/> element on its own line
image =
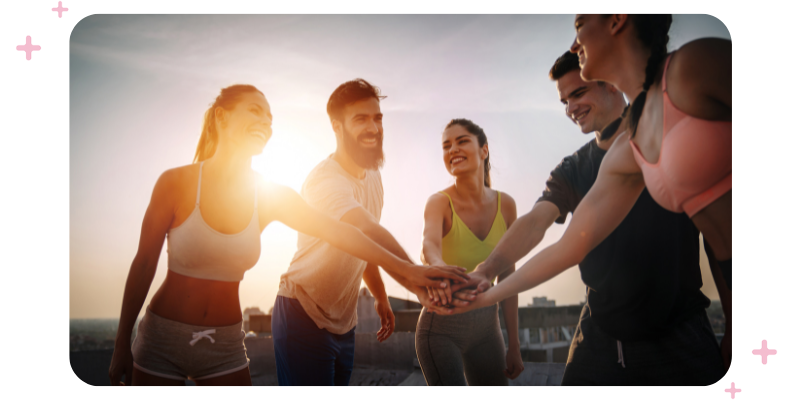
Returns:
<point x="174" y="350"/>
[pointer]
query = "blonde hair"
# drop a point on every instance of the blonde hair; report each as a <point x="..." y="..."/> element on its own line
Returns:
<point x="209" y="137"/>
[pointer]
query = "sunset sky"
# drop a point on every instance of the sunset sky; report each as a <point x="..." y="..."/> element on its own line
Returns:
<point x="139" y="86"/>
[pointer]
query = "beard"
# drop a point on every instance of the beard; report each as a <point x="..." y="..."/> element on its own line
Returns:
<point x="367" y="158"/>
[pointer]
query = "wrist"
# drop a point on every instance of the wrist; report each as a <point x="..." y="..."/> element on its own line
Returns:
<point x="513" y="345"/>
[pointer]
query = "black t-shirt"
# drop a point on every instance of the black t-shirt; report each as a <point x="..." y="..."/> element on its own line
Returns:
<point x="643" y="277"/>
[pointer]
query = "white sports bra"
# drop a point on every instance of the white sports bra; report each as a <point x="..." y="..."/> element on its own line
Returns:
<point x="196" y="250"/>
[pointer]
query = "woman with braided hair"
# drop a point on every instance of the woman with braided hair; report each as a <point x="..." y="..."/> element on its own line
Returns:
<point x="677" y="144"/>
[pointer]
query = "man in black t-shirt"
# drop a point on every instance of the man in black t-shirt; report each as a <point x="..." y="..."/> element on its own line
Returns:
<point x="644" y="321"/>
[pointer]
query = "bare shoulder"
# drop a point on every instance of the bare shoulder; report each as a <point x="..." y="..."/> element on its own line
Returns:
<point x="507" y="202"/>
<point x="619" y="158"/>
<point x="437" y="202"/>
<point x="703" y="53"/>
<point x="699" y="78"/>
<point x="508" y="207"/>
<point x="174" y="181"/>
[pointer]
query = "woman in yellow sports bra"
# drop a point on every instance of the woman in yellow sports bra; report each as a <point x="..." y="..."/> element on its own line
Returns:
<point x="463" y="223"/>
<point x="212" y="213"/>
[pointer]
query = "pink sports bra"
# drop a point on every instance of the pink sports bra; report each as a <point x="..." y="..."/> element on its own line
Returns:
<point x="196" y="250"/>
<point x="694" y="165"/>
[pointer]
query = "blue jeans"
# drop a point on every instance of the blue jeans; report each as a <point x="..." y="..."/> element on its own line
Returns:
<point x="306" y="355"/>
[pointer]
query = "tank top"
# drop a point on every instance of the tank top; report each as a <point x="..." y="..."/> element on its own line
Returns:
<point x="462" y="248"/>
<point x="694" y="165"/>
<point x="196" y="250"/>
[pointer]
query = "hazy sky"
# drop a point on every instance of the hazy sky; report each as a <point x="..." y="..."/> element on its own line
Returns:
<point x="139" y="86"/>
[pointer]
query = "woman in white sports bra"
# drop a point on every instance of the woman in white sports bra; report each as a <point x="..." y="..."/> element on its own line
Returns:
<point x="212" y="213"/>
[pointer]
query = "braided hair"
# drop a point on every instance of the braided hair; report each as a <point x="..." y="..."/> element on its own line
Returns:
<point x="653" y="31"/>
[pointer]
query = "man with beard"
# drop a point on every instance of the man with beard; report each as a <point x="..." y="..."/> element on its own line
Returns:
<point x="644" y="321"/>
<point x="314" y="318"/>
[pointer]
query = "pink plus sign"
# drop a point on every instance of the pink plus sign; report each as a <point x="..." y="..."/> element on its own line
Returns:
<point x="733" y="390"/>
<point x="764" y="352"/>
<point x="28" y="47"/>
<point x="60" y="9"/>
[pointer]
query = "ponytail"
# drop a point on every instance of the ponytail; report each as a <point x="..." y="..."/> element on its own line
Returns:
<point x="209" y="137"/>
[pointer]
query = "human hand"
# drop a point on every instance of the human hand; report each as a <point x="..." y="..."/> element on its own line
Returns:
<point x="384" y="310"/>
<point x="476" y="280"/>
<point x="472" y="301"/>
<point x="514" y="365"/>
<point x="121" y="364"/>
<point x="441" y="296"/>
<point x="434" y="276"/>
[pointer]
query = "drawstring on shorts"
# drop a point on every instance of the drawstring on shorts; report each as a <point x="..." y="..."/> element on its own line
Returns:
<point x="620" y="359"/>
<point x="197" y="336"/>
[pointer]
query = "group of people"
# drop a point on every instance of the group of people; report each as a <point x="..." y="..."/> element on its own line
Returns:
<point x="656" y="174"/>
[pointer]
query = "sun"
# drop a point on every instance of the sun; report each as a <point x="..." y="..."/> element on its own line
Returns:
<point x="290" y="155"/>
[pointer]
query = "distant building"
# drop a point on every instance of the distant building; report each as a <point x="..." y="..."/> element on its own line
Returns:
<point x="543" y="302"/>
<point x="251" y="311"/>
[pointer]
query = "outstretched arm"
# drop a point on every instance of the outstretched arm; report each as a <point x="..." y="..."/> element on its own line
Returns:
<point x="521" y="238"/>
<point x="292" y="210"/>
<point x="600" y="212"/>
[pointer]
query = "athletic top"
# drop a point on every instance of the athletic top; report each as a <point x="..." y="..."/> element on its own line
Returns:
<point x="645" y="276"/>
<point x="196" y="250"/>
<point x="462" y="248"/>
<point x="694" y="167"/>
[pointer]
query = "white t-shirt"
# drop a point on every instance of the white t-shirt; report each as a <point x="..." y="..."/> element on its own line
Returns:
<point x="324" y="279"/>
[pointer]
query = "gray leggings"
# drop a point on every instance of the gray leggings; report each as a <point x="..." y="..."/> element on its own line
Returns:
<point x="454" y="350"/>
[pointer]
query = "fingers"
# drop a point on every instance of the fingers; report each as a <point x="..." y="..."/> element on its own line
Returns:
<point x="460" y="303"/>
<point x="448" y="293"/>
<point x="435" y="295"/>
<point x="442" y="296"/>
<point x="455" y="273"/>
<point x="517" y="370"/>
<point x="466" y="295"/>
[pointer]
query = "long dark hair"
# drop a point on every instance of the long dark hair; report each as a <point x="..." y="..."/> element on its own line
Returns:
<point x="476" y="130"/>
<point x="209" y="138"/>
<point x="653" y="31"/>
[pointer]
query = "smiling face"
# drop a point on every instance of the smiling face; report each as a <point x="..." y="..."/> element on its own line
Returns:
<point x="591" y="105"/>
<point x="362" y="132"/>
<point x="461" y="152"/>
<point x="248" y="126"/>
<point x="593" y="45"/>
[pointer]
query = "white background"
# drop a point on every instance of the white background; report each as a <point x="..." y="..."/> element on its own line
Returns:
<point x="35" y="196"/>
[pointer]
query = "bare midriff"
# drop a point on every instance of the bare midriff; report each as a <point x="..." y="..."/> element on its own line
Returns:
<point x="196" y="301"/>
<point x="714" y="222"/>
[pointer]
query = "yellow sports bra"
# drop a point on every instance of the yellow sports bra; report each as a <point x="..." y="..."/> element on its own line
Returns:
<point x="462" y="248"/>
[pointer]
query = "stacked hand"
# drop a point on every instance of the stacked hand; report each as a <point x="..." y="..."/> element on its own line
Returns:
<point x="455" y="297"/>
<point x="435" y="276"/>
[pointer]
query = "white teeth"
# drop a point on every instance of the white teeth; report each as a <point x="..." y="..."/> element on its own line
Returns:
<point x="581" y="116"/>
<point x="457" y="160"/>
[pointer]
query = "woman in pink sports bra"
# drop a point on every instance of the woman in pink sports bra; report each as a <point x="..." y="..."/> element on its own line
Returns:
<point x="212" y="213"/>
<point x="677" y="144"/>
